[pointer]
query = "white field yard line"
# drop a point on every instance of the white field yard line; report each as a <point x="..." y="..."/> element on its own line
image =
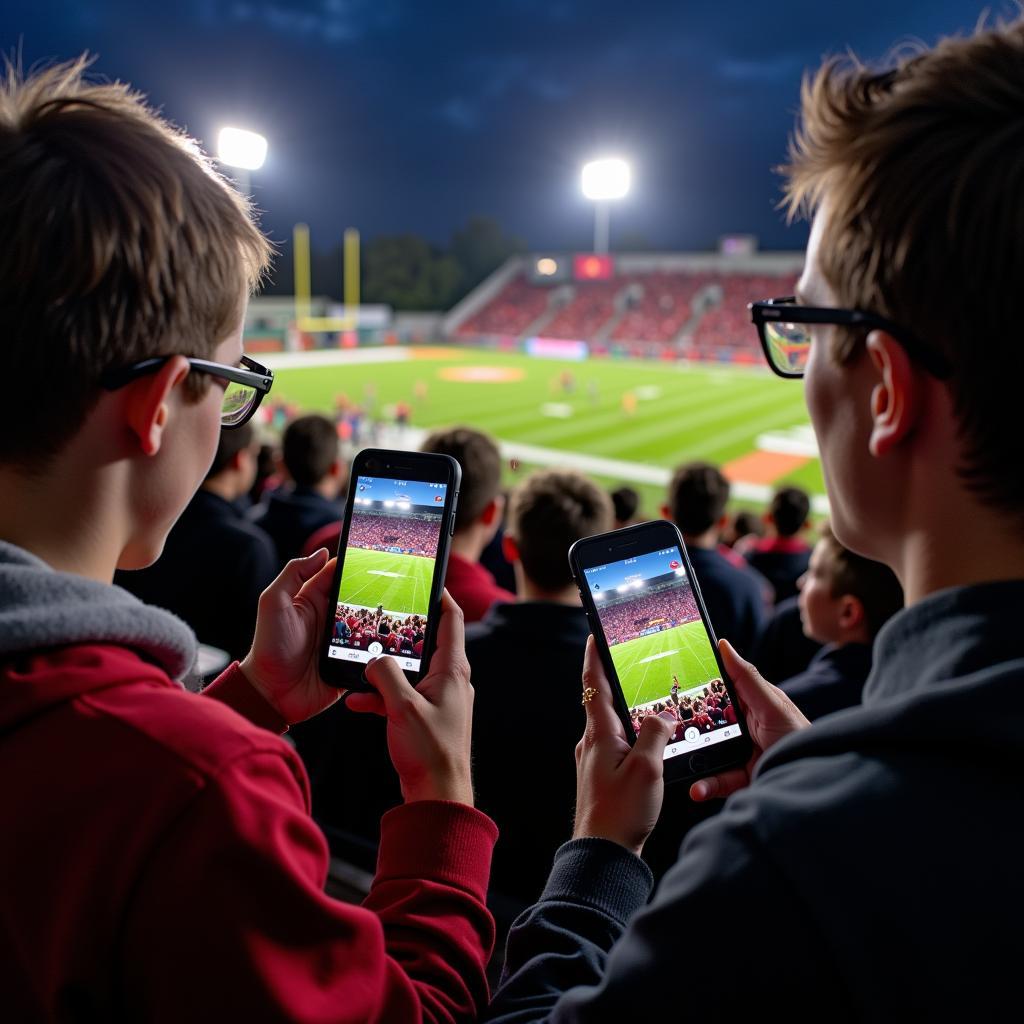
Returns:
<point x="334" y="357"/>
<point x="617" y="469"/>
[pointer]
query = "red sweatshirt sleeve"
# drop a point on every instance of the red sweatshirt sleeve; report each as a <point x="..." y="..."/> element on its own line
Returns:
<point x="230" y="921"/>
<point x="232" y="688"/>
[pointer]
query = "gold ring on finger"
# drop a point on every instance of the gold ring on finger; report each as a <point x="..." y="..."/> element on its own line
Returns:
<point x="588" y="695"/>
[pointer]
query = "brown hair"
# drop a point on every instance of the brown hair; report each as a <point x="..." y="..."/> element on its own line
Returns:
<point x="872" y="583"/>
<point x="309" y="449"/>
<point x="480" y="460"/>
<point x="548" y="512"/>
<point x="921" y="167"/>
<point x="697" y="496"/>
<point x="120" y="242"/>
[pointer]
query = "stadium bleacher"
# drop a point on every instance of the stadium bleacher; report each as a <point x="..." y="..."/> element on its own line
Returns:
<point x="696" y="311"/>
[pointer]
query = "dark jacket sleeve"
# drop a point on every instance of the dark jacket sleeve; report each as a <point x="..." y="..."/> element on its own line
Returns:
<point x="722" y="911"/>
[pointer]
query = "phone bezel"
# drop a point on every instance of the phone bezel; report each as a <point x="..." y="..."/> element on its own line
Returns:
<point x="425" y="467"/>
<point x="627" y="543"/>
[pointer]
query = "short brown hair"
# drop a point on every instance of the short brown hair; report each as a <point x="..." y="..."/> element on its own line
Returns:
<point x="548" y="512"/>
<point x="480" y="460"/>
<point x="120" y="242"/>
<point x="309" y="449"/>
<point x="872" y="583"/>
<point x="921" y="165"/>
<point x="697" y="497"/>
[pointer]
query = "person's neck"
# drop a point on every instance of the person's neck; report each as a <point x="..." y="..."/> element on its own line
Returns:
<point x="469" y="544"/>
<point x="952" y="539"/>
<point x="35" y="516"/>
<point x="223" y="486"/>
<point x="708" y="540"/>
<point x="529" y="591"/>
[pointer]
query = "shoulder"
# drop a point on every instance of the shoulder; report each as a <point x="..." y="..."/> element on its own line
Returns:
<point x="165" y="726"/>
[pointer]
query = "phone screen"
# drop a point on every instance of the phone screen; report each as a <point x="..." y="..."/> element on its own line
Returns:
<point x="388" y="570"/>
<point x="660" y="649"/>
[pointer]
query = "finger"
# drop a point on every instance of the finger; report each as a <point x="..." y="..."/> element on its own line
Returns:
<point x="363" y="703"/>
<point x="318" y="587"/>
<point x="450" y="653"/>
<point x="721" y="785"/>
<point x="601" y="717"/>
<point x="384" y="675"/>
<point x="751" y="687"/>
<point x="283" y="590"/>
<point x="655" y="732"/>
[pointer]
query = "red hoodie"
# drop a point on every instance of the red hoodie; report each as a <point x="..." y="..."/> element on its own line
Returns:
<point x="159" y="863"/>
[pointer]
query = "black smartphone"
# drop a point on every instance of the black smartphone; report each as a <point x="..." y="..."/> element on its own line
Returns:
<point x="392" y="557"/>
<point x="657" y="645"/>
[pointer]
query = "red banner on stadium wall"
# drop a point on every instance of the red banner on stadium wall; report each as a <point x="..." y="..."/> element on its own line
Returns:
<point x="591" y="267"/>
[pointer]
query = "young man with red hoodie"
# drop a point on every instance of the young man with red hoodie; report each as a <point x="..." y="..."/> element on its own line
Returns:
<point x="158" y="856"/>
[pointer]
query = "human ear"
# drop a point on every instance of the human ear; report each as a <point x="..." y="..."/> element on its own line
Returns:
<point x="491" y="514"/>
<point x="851" y="611"/>
<point x="895" y="398"/>
<point x="147" y="402"/>
<point x="509" y="548"/>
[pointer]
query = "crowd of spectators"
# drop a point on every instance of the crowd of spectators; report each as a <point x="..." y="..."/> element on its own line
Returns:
<point x="662" y="604"/>
<point x="705" y="709"/>
<point x="410" y="533"/>
<point x="397" y="634"/>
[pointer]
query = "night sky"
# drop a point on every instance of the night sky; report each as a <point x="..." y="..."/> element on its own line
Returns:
<point x="411" y="115"/>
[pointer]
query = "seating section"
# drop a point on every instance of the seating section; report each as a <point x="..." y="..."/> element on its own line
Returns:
<point x="660" y="305"/>
<point x="587" y="312"/>
<point x="511" y="311"/>
<point x="724" y="331"/>
<point x="663" y="309"/>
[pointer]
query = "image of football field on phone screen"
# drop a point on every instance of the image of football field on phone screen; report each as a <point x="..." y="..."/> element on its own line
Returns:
<point x="396" y="581"/>
<point x="645" y="666"/>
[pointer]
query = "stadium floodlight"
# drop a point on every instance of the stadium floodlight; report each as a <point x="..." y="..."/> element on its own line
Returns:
<point x="238" y="147"/>
<point x="389" y="504"/>
<point x="546" y="266"/>
<point x="243" y="152"/>
<point x="603" y="181"/>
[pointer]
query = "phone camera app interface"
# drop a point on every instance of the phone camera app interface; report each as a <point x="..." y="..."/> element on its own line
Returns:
<point x="660" y="649"/>
<point x="388" y="573"/>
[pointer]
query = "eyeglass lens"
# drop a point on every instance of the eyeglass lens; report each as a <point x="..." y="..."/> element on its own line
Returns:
<point x="238" y="400"/>
<point x="789" y="345"/>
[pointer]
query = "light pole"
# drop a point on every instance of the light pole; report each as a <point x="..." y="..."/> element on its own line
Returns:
<point x="243" y="151"/>
<point x="603" y="181"/>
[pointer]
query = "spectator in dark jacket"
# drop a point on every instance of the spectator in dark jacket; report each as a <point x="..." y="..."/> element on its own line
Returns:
<point x="294" y="512"/>
<point x="912" y="173"/>
<point x="215" y="563"/>
<point x="844" y="601"/>
<point x="782" y="556"/>
<point x="734" y="597"/>
<point x="521" y="654"/>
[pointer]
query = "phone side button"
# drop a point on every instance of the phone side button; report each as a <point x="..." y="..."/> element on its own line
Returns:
<point x="698" y="763"/>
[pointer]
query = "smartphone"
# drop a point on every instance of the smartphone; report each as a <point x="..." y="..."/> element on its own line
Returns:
<point x="392" y="557"/>
<point x="657" y="645"/>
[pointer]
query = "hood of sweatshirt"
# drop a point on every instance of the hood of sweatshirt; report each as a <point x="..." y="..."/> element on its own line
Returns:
<point x="43" y="611"/>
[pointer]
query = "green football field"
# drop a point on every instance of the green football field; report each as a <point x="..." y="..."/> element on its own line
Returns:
<point x="645" y="666"/>
<point x="401" y="583"/>
<point x="679" y="412"/>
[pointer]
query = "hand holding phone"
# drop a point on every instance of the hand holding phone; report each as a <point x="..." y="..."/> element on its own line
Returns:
<point x="770" y="716"/>
<point x="619" y="786"/>
<point x="282" y="664"/>
<point x="429" y="726"/>
<point x="658" y="648"/>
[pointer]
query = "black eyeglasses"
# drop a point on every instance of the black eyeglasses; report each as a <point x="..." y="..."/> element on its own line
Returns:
<point x="782" y="327"/>
<point x="242" y="396"/>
